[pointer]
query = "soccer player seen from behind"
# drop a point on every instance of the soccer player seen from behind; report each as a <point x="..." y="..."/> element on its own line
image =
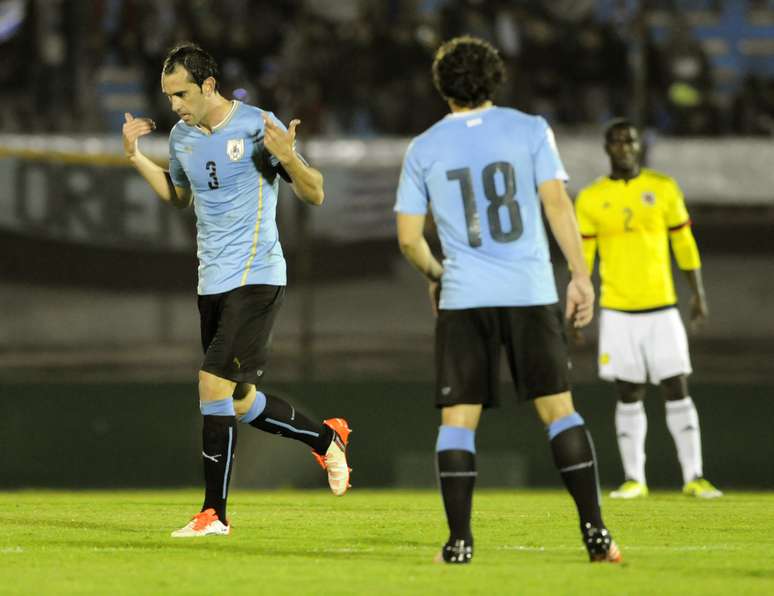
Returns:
<point x="225" y="158"/>
<point x="484" y="171"/>
<point x="631" y="217"/>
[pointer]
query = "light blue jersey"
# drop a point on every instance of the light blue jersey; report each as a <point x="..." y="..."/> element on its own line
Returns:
<point x="235" y="188"/>
<point x="479" y="172"/>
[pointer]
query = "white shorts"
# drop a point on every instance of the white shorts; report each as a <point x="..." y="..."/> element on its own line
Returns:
<point x="643" y="346"/>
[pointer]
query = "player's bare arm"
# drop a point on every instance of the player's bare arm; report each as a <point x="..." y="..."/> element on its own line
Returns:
<point x="561" y="217"/>
<point x="699" y="308"/>
<point x="307" y="181"/>
<point x="155" y="175"/>
<point x="414" y="246"/>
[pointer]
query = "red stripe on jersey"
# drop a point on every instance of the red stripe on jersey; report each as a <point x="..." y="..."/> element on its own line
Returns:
<point x="588" y="236"/>
<point x="687" y="222"/>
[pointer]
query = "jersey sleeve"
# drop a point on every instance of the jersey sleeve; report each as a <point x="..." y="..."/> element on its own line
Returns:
<point x="273" y="160"/>
<point x="680" y="235"/>
<point x="176" y="171"/>
<point x="677" y="214"/>
<point x="587" y="228"/>
<point x="548" y="164"/>
<point x="412" y="196"/>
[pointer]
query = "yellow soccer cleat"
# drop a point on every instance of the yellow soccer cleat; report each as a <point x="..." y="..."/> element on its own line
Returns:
<point x="701" y="488"/>
<point x="631" y="489"/>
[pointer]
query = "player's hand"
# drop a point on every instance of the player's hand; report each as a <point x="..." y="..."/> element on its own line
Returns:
<point x="434" y="291"/>
<point x="699" y="312"/>
<point x="133" y="129"/>
<point x="280" y="143"/>
<point x="580" y="301"/>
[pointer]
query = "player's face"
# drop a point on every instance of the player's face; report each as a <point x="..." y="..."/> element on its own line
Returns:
<point x="185" y="97"/>
<point x="623" y="146"/>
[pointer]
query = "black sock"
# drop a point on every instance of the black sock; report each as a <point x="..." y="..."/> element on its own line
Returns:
<point x="457" y="476"/>
<point x="218" y="445"/>
<point x="574" y="457"/>
<point x="280" y="418"/>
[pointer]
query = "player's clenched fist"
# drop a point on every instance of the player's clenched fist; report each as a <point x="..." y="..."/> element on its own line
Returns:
<point x="279" y="142"/>
<point x="133" y="129"/>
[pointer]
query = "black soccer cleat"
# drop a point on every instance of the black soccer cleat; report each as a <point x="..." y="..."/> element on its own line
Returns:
<point x="456" y="552"/>
<point x="600" y="544"/>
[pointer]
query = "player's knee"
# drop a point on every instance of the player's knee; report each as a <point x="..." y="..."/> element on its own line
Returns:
<point x="551" y="408"/>
<point x="212" y="387"/>
<point x="461" y="415"/>
<point x="675" y="388"/>
<point x="629" y="393"/>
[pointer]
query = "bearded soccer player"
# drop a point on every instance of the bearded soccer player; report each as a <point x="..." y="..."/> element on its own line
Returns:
<point x="631" y="217"/>
<point x="484" y="171"/>
<point x="225" y="158"/>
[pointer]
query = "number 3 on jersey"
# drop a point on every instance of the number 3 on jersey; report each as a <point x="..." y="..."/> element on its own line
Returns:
<point x="496" y="199"/>
<point x="213" y="182"/>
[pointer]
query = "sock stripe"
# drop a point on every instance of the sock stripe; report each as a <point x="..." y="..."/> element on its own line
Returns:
<point x="580" y="466"/>
<point x="292" y="429"/>
<point x="228" y="462"/>
<point x="457" y="474"/>
<point x="596" y="468"/>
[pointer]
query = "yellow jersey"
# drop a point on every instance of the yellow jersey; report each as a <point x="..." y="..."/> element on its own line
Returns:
<point x="632" y="223"/>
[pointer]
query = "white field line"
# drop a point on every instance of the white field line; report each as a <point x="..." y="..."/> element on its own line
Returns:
<point x="627" y="547"/>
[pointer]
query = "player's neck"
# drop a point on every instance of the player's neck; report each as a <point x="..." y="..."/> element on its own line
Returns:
<point x="456" y="108"/>
<point x="625" y="175"/>
<point x="217" y="113"/>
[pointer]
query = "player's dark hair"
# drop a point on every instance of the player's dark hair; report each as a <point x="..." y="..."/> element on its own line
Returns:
<point x="199" y="64"/>
<point x="615" y="124"/>
<point x="467" y="70"/>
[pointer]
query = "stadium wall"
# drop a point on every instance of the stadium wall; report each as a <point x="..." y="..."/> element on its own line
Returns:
<point x="147" y="435"/>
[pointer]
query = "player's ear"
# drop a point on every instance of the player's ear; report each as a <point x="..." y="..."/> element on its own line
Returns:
<point x="208" y="86"/>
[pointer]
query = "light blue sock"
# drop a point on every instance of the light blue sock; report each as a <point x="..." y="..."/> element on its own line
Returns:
<point x="561" y="425"/>
<point x="455" y="437"/>
<point x="218" y="407"/>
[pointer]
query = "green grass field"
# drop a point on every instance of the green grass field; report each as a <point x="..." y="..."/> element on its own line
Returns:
<point x="378" y="542"/>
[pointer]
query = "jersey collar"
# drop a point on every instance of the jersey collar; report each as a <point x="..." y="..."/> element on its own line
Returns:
<point x="467" y="113"/>
<point x="234" y="105"/>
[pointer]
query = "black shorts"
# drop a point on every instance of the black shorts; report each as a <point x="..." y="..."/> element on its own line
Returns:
<point x="236" y="331"/>
<point x="468" y="347"/>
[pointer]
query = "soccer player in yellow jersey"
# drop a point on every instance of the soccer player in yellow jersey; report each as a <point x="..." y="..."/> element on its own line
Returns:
<point x="631" y="217"/>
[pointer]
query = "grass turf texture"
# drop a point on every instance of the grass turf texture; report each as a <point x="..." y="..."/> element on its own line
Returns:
<point x="378" y="542"/>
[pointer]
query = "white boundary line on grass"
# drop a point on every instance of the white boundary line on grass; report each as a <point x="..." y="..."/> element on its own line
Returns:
<point x="627" y="547"/>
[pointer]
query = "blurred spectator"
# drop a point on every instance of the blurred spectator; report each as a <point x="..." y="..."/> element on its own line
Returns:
<point x="351" y="67"/>
<point x="684" y="72"/>
<point x="753" y="108"/>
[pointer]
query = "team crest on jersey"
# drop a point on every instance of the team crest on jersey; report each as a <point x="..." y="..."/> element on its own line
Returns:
<point x="235" y="148"/>
<point x="649" y="198"/>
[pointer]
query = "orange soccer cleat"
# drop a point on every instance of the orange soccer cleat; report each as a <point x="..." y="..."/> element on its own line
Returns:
<point x="335" y="459"/>
<point x="204" y="523"/>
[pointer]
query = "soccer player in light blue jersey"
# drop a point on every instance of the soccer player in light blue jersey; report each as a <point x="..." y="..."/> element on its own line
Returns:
<point x="483" y="172"/>
<point x="226" y="158"/>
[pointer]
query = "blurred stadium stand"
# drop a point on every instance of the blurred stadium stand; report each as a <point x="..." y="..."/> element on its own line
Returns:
<point x="97" y="278"/>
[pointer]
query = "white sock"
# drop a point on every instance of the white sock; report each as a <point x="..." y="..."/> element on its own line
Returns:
<point x="631" y="426"/>
<point x="683" y="422"/>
